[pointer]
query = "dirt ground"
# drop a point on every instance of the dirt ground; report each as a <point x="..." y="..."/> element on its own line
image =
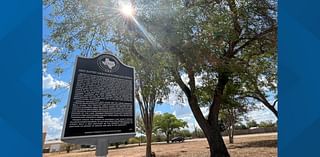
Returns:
<point x="262" y="145"/>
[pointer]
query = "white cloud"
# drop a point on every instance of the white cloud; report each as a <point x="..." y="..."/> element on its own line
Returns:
<point x="176" y="97"/>
<point x="198" y="80"/>
<point x="48" y="82"/>
<point x="52" y="125"/>
<point x="46" y="51"/>
<point x="205" y="111"/>
<point x="262" y="114"/>
<point x="189" y="118"/>
<point x="174" y="113"/>
<point x="51" y="106"/>
<point x="44" y="68"/>
<point x="158" y="112"/>
<point x="185" y="78"/>
<point x="184" y="112"/>
<point x="263" y="83"/>
<point x="180" y="110"/>
<point x="49" y="49"/>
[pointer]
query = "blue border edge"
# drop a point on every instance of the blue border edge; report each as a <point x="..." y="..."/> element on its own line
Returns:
<point x="21" y="107"/>
<point x="299" y="53"/>
<point x="20" y="44"/>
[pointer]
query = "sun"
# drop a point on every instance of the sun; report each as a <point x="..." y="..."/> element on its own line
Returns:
<point x="126" y="10"/>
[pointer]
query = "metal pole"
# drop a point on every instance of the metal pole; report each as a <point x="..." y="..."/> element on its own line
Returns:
<point x="102" y="148"/>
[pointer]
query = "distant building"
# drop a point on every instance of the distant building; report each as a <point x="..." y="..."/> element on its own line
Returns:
<point x="58" y="146"/>
<point x="44" y="134"/>
<point x="252" y="128"/>
<point x="54" y="146"/>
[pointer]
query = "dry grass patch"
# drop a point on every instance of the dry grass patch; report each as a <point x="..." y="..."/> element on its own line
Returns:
<point x="244" y="146"/>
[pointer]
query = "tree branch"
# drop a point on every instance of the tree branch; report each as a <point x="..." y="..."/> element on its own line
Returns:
<point x="135" y="52"/>
<point x="256" y="37"/>
<point x="141" y="105"/>
<point x="218" y="93"/>
<point x="180" y="82"/>
<point x="91" y="41"/>
<point x="235" y="17"/>
<point x="274" y="103"/>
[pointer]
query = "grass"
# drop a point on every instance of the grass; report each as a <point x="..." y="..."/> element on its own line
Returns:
<point x="263" y="145"/>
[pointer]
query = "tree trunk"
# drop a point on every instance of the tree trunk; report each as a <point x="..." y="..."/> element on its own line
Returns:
<point x="210" y="126"/>
<point x="211" y="130"/>
<point x="231" y="127"/>
<point x="230" y="135"/>
<point x="149" y="137"/>
<point x="232" y="132"/>
<point x="148" y="127"/>
<point x="216" y="143"/>
<point x="168" y="137"/>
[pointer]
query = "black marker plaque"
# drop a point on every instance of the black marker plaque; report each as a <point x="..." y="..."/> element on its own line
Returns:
<point x="102" y="98"/>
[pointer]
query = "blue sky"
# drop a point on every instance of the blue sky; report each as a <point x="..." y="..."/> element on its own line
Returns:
<point x="53" y="117"/>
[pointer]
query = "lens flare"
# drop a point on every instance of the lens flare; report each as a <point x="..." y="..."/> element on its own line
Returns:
<point x="148" y="35"/>
<point x="126" y="10"/>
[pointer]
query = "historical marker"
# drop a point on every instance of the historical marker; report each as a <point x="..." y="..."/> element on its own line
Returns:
<point x="101" y="101"/>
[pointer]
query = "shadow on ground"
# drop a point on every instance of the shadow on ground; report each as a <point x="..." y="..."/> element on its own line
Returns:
<point x="264" y="143"/>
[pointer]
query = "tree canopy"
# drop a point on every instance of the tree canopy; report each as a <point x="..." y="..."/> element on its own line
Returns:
<point x="168" y="123"/>
<point x="217" y="41"/>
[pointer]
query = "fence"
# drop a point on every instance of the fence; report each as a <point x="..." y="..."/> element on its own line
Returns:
<point x="252" y="131"/>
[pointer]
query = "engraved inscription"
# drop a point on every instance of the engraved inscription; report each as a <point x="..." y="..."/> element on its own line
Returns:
<point x="98" y="98"/>
<point x="101" y="98"/>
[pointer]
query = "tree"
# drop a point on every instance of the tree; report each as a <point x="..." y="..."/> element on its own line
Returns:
<point x="234" y="108"/>
<point x="140" y="125"/>
<point x="85" y="26"/>
<point x="184" y="133"/>
<point x="261" y="81"/>
<point x="141" y="128"/>
<point x="252" y="123"/>
<point x="151" y="87"/>
<point x="266" y="124"/>
<point x="68" y="148"/>
<point x="217" y="50"/>
<point x="51" y="54"/>
<point x="197" y="133"/>
<point x="168" y="123"/>
<point x="240" y="126"/>
<point x="208" y="39"/>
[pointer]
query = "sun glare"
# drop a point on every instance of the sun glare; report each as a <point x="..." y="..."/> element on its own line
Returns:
<point x="126" y="10"/>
